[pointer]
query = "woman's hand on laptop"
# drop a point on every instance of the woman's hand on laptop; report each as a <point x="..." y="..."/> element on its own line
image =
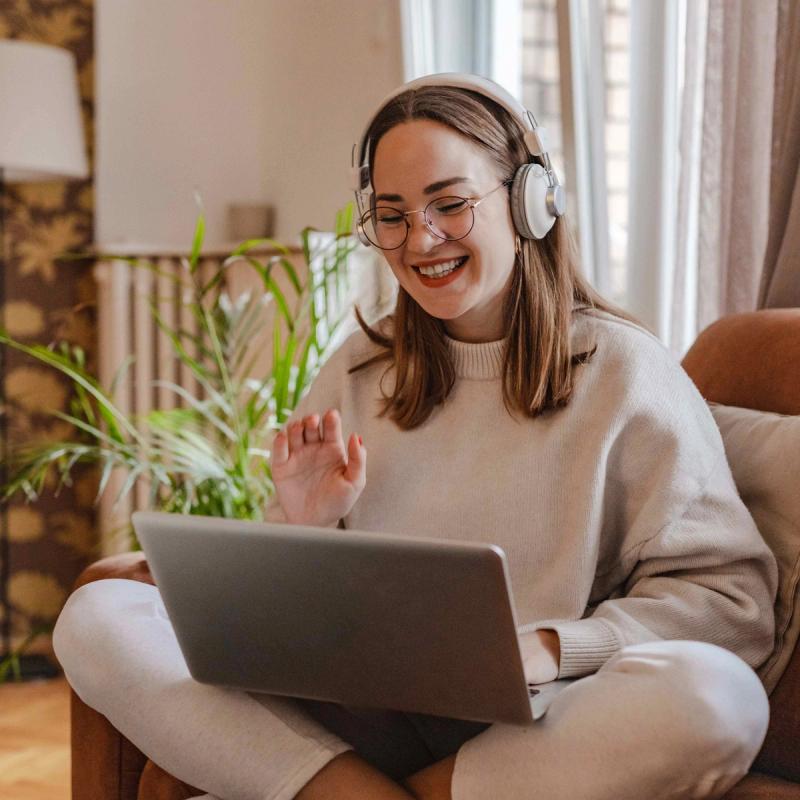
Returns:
<point x="541" y="655"/>
<point x="318" y="479"/>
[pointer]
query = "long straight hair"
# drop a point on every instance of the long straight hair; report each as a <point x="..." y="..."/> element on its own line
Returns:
<point x="546" y="286"/>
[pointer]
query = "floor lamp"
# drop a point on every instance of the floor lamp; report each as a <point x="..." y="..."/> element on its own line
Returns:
<point x="41" y="139"/>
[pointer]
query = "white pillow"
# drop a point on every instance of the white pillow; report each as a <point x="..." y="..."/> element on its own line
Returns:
<point x="764" y="453"/>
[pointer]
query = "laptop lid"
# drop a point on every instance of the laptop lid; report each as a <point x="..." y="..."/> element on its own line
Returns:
<point x="358" y="618"/>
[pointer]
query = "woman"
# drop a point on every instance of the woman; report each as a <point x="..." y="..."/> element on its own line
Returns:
<point x="503" y="401"/>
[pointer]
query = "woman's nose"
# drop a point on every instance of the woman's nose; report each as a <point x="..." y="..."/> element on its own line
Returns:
<point x="420" y="237"/>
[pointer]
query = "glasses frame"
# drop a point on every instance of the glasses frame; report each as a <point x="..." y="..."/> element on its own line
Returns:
<point x="472" y="204"/>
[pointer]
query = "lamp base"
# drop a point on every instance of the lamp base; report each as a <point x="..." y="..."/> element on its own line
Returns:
<point x="34" y="668"/>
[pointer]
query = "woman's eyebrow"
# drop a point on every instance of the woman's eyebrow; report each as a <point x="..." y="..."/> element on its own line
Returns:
<point x="434" y="187"/>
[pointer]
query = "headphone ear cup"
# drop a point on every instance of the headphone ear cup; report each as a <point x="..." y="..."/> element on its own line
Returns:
<point x="529" y="207"/>
<point x="362" y="237"/>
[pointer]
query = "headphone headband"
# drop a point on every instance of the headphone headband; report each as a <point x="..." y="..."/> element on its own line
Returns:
<point x="535" y="138"/>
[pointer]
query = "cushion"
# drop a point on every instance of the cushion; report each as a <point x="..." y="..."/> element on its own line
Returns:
<point x="764" y="453"/>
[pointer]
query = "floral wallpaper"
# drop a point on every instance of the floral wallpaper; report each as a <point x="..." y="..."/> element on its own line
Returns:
<point x="52" y="539"/>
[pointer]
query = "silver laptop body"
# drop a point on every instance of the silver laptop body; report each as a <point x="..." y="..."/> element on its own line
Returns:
<point x="370" y="620"/>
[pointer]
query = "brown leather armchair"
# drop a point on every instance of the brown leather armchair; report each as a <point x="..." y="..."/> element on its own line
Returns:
<point x="750" y="360"/>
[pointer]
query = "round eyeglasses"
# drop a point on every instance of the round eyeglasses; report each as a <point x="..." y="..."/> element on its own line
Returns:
<point x="449" y="218"/>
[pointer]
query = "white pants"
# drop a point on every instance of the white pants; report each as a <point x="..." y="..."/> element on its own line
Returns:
<point x="659" y="720"/>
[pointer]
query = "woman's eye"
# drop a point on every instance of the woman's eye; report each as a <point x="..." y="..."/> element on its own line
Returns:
<point x="388" y="217"/>
<point x="450" y="205"/>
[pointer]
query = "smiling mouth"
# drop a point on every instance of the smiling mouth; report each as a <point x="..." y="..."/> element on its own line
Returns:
<point x="441" y="270"/>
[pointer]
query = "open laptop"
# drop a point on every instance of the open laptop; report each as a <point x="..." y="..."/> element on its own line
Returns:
<point x="371" y="620"/>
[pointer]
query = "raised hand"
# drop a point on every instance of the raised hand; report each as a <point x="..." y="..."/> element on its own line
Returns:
<point x="316" y="479"/>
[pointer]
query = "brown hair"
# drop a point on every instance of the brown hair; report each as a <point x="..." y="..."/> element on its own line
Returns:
<point x="546" y="285"/>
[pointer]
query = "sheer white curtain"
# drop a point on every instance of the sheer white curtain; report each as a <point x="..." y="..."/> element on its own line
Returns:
<point x="654" y="101"/>
<point x="699" y="226"/>
<point x="479" y="36"/>
<point x="735" y="158"/>
<point x="583" y="109"/>
<point x="702" y="75"/>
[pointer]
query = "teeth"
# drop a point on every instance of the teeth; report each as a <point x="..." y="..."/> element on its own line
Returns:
<point x="440" y="269"/>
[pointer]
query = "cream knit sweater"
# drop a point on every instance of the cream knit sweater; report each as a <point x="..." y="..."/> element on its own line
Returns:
<point x="618" y="514"/>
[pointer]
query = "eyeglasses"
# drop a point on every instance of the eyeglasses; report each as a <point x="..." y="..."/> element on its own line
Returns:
<point x="449" y="218"/>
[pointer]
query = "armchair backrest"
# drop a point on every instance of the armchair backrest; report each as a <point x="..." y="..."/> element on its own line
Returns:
<point x="752" y="360"/>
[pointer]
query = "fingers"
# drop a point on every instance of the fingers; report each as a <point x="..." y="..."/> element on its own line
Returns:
<point x="356" y="471"/>
<point x="311" y="431"/>
<point x="295" y="434"/>
<point x="280" y="449"/>
<point x="332" y="426"/>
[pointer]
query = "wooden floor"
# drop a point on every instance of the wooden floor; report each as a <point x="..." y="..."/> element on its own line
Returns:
<point x="34" y="740"/>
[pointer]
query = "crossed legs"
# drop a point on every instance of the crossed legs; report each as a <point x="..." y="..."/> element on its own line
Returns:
<point x="659" y="720"/>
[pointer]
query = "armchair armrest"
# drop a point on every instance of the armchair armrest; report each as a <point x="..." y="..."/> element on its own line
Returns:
<point x="131" y="566"/>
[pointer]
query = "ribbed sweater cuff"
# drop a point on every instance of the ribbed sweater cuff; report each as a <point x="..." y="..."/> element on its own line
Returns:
<point x="586" y="645"/>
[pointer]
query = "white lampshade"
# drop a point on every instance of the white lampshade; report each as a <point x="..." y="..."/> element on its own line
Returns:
<point x="41" y="135"/>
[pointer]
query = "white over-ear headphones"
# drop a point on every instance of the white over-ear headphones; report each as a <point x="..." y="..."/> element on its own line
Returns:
<point x="537" y="198"/>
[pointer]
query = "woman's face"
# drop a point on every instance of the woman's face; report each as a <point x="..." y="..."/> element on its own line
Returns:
<point x="416" y="162"/>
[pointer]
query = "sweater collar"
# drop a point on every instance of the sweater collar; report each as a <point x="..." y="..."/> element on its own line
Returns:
<point x="480" y="360"/>
<point x="484" y="360"/>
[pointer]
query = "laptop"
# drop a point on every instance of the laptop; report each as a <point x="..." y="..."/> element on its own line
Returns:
<point x="367" y="620"/>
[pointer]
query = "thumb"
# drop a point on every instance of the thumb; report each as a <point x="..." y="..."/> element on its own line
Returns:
<point x="356" y="471"/>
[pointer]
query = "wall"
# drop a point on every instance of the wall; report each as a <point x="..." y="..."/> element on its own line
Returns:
<point x="246" y="100"/>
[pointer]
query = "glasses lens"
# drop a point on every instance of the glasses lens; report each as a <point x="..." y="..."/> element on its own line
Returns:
<point x="450" y="217"/>
<point x="385" y="227"/>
